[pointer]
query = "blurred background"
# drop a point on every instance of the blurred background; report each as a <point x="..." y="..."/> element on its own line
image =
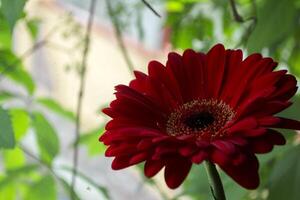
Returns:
<point x="60" y="61"/>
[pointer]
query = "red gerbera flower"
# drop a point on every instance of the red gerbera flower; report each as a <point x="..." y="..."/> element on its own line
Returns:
<point x="215" y="106"/>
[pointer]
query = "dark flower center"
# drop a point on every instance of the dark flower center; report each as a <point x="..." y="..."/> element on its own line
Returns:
<point x="203" y="118"/>
<point x="199" y="120"/>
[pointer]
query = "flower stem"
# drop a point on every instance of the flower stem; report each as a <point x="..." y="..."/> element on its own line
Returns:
<point x="215" y="182"/>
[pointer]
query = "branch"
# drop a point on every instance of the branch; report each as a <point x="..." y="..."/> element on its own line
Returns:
<point x="119" y="37"/>
<point x="43" y="164"/>
<point x="151" y="8"/>
<point x="235" y="13"/>
<point x="251" y="27"/>
<point x="81" y="93"/>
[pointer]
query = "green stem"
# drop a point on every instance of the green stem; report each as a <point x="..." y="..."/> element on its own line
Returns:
<point x="215" y="182"/>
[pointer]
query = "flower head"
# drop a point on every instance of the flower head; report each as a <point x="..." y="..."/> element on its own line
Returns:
<point x="215" y="106"/>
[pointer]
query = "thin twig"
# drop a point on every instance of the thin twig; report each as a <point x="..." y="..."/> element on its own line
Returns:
<point x="11" y="67"/>
<point x="151" y="8"/>
<point x="58" y="47"/>
<point x="119" y="36"/>
<point x="240" y="19"/>
<point x="41" y="162"/>
<point x="81" y="93"/>
<point x="235" y="13"/>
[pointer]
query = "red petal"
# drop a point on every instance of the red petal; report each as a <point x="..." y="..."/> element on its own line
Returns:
<point x="261" y="145"/>
<point x="158" y="71"/>
<point x="225" y="146"/>
<point x="133" y="95"/>
<point x="255" y="102"/>
<point x="187" y="150"/>
<point x="252" y="72"/>
<point x="139" y="83"/>
<point x="199" y="157"/>
<point x="238" y="141"/>
<point x="287" y="124"/>
<point x="152" y="167"/>
<point x="271" y="108"/>
<point x="109" y="112"/>
<point x="215" y="69"/>
<point x="176" y="68"/>
<point x="161" y="94"/>
<point x="161" y="151"/>
<point x="254" y="132"/>
<point x="117" y="150"/>
<point x="286" y="88"/>
<point x="268" y="121"/>
<point x="239" y="159"/>
<point x="219" y="157"/>
<point x="275" y="137"/>
<point x="195" y="74"/>
<point x="237" y="76"/>
<point x="128" y="134"/>
<point x="129" y="109"/>
<point x="120" y="162"/>
<point x="244" y="124"/>
<point x="267" y="81"/>
<point x="245" y="174"/>
<point x="265" y="143"/>
<point x="176" y="171"/>
<point x="233" y="61"/>
<point x="140" y="157"/>
<point x="144" y="144"/>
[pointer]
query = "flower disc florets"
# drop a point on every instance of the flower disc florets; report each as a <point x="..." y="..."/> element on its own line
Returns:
<point x="203" y="118"/>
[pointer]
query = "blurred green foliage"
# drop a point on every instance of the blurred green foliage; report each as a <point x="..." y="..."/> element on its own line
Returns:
<point x="268" y="26"/>
<point x="91" y="141"/>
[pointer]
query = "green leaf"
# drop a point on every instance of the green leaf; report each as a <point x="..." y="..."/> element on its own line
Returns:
<point x="33" y="27"/>
<point x="45" y="189"/>
<point x="5" y="96"/>
<point x="47" y="138"/>
<point x="91" y="140"/>
<point x="8" y="192"/>
<point x="23" y="170"/>
<point x="20" y="122"/>
<point x="174" y="6"/>
<point x="12" y="10"/>
<point x="285" y="177"/>
<point x="13" y="158"/>
<point x="52" y="105"/>
<point x="5" y="34"/>
<point x="12" y="67"/>
<point x="276" y="20"/>
<point x="7" y="139"/>
<point x="13" y="175"/>
<point x="21" y="76"/>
